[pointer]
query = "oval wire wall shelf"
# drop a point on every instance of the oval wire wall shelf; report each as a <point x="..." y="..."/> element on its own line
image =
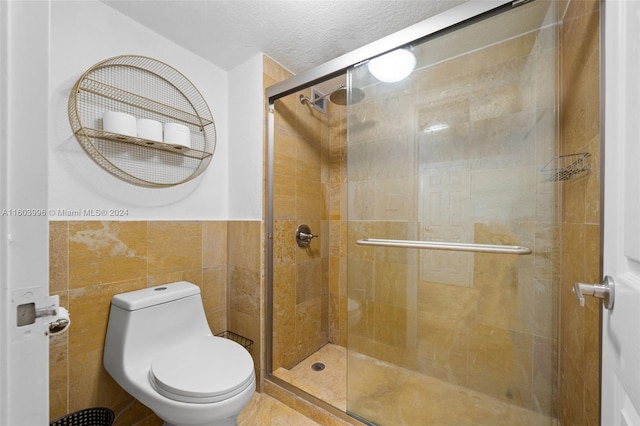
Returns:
<point x="144" y="88"/>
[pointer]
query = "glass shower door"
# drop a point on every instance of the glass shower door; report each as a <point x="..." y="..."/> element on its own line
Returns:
<point x="456" y="154"/>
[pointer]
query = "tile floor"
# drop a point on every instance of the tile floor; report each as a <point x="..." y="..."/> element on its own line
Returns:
<point x="329" y="384"/>
<point x="264" y="410"/>
<point x="387" y="394"/>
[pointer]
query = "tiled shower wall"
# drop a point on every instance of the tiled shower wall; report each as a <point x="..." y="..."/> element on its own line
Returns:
<point x="300" y="170"/>
<point x="337" y="195"/>
<point x="482" y="321"/>
<point x="92" y="261"/>
<point x="579" y="396"/>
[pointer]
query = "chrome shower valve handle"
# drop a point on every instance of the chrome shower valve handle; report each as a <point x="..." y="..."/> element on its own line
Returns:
<point x="304" y="236"/>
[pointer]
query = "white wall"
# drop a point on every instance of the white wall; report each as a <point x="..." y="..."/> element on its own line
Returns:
<point x="82" y="34"/>
<point x="246" y="129"/>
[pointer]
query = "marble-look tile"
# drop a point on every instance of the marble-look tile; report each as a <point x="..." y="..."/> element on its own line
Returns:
<point x="103" y="252"/>
<point x="310" y="334"/>
<point x="284" y="155"/>
<point x="387" y="394"/>
<point x="284" y="197"/>
<point x="244" y="245"/>
<point x="244" y="291"/>
<point x="214" y="244"/>
<point x="214" y="297"/>
<point x="264" y="410"/>
<point x="274" y="70"/>
<point x="89" y="310"/>
<point x="580" y="127"/>
<point x="328" y="384"/>
<point x="59" y="370"/>
<point x="284" y="245"/>
<point x="309" y="282"/>
<point x="284" y="317"/>
<point x="58" y="256"/>
<point x="106" y="258"/>
<point x="174" y="246"/>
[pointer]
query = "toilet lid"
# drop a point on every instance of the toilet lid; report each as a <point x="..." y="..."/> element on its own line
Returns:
<point x="207" y="369"/>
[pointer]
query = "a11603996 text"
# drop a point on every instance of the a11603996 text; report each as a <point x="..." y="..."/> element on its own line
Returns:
<point x="64" y="213"/>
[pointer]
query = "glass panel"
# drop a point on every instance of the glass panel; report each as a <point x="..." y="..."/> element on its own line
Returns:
<point x="455" y="152"/>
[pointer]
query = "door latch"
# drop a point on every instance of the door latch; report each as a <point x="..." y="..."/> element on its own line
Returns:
<point x="28" y="313"/>
<point x="605" y="291"/>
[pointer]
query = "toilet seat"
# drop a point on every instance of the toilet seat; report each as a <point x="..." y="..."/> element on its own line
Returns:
<point x="203" y="370"/>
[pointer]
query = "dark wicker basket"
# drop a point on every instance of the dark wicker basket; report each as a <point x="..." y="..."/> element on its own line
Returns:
<point x="244" y="341"/>
<point x="88" y="417"/>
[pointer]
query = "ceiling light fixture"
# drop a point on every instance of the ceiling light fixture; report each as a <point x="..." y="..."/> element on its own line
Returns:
<point x="393" y="66"/>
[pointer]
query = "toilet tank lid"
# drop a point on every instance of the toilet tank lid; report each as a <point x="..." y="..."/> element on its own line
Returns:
<point x="139" y="299"/>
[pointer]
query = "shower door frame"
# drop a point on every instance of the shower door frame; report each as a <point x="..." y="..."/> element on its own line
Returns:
<point x="448" y="20"/>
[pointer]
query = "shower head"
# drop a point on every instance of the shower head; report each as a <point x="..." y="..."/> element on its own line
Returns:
<point x="340" y="96"/>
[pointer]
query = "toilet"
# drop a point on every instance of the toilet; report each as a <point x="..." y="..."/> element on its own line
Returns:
<point x="160" y="349"/>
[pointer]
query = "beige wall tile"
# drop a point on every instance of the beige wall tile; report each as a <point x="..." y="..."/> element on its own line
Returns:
<point x="107" y="258"/>
<point x="309" y="280"/>
<point x="59" y="370"/>
<point x="284" y="316"/>
<point x="580" y="112"/>
<point x="310" y="335"/>
<point x="89" y="308"/>
<point x="58" y="256"/>
<point x="284" y="243"/>
<point x="174" y="246"/>
<point x="244" y="291"/>
<point x="214" y="244"/>
<point x="249" y="327"/>
<point x="301" y="195"/>
<point x="102" y="252"/>
<point x="284" y="156"/>
<point x="244" y="245"/>
<point x="309" y="159"/>
<point x="214" y="297"/>
<point x="274" y="70"/>
<point x="571" y="402"/>
<point x="193" y="276"/>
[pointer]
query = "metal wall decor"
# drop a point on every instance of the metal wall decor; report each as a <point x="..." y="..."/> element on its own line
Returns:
<point x="148" y="89"/>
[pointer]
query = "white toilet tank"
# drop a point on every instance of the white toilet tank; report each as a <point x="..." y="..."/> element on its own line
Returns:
<point x="145" y="321"/>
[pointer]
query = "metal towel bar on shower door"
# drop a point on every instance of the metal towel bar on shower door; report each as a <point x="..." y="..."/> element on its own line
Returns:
<point x="437" y="245"/>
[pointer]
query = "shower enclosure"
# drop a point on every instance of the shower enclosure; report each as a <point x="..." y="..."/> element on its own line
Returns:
<point x="428" y="288"/>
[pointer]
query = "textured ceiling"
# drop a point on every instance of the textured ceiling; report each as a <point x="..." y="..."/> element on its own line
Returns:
<point x="299" y="34"/>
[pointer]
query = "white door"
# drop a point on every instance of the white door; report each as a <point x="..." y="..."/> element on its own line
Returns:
<point x="621" y="325"/>
<point x="24" y="104"/>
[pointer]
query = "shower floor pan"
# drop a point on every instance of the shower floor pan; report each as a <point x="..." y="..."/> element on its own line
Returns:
<point x="397" y="388"/>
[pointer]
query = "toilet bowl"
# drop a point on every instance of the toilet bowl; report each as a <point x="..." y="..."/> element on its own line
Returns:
<point x="160" y="349"/>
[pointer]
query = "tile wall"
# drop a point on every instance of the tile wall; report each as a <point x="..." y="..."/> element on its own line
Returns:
<point x="337" y="195"/>
<point x="307" y="190"/>
<point x="92" y="261"/>
<point x="581" y="243"/>
<point x="482" y="321"/>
